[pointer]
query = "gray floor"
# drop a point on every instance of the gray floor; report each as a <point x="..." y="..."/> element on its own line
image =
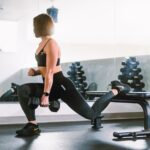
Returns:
<point x="74" y="136"/>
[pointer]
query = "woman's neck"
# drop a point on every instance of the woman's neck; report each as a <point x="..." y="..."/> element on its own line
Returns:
<point x="45" y="38"/>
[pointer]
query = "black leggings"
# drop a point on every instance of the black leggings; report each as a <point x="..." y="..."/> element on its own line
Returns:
<point x="64" y="89"/>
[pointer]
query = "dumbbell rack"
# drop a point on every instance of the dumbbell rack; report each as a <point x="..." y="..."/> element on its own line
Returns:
<point x="10" y="95"/>
<point x="77" y="75"/>
<point x="131" y="74"/>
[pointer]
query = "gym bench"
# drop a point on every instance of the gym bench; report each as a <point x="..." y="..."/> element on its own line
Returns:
<point x="140" y="98"/>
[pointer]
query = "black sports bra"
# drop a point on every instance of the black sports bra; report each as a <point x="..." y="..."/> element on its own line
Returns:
<point x="41" y="58"/>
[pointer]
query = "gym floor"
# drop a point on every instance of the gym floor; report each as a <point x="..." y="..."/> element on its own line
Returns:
<point x="75" y="136"/>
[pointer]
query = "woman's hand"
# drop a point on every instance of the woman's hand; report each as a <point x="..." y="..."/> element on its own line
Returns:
<point x="44" y="101"/>
<point x="31" y="72"/>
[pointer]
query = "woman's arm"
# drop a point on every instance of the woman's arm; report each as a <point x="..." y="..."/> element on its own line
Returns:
<point x="37" y="72"/>
<point x="51" y="60"/>
<point x="34" y="72"/>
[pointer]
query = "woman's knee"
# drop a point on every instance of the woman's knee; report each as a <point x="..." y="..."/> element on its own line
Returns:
<point x="23" y="90"/>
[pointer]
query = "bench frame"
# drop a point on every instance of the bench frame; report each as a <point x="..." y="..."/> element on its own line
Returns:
<point x="140" y="98"/>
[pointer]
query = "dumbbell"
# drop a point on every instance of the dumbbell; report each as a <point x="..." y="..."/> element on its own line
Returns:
<point x="136" y="80"/>
<point x="138" y="70"/>
<point x="83" y="84"/>
<point x="134" y="73"/>
<point x="128" y="70"/>
<point x="81" y="88"/>
<point x="75" y="68"/>
<point x="80" y="73"/>
<point x="11" y="94"/>
<point x="140" y="77"/>
<point x="73" y="78"/>
<point x="81" y="79"/>
<point x="76" y="74"/>
<point x="34" y="102"/>
<point x="77" y="63"/>
<point x="123" y="78"/>
<point x="71" y="73"/>
<point x="123" y="81"/>
<point x="54" y="105"/>
<point x="125" y="70"/>
<point x="137" y="85"/>
<point x="130" y="64"/>
<point x="132" y="58"/>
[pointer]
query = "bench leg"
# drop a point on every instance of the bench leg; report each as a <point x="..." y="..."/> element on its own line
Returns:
<point x="146" y="109"/>
<point x="97" y="123"/>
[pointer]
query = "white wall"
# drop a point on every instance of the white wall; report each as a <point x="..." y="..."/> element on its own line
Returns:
<point x="132" y="22"/>
<point x="91" y="29"/>
<point x="86" y="29"/>
<point x="8" y="35"/>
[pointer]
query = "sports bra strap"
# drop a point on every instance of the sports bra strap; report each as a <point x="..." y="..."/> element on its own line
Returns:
<point x="45" y="43"/>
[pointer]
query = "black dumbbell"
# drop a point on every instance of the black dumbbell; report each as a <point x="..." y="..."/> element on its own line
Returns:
<point x="54" y="105"/>
<point x="77" y="63"/>
<point x="81" y="78"/>
<point x="126" y="70"/>
<point x="123" y="78"/>
<point x="130" y="64"/>
<point x="81" y="87"/>
<point x="75" y="69"/>
<point x="80" y="73"/>
<point x="83" y="84"/>
<point x="138" y="70"/>
<point x="14" y="86"/>
<point x="71" y="73"/>
<point x="123" y="81"/>
<point x="134" y="73"/>
<point x="132" y="58"/>
<point x="137" y="85"/>
<point x="140" y="77"/>
<point x="75" y="73"/>
<point x="34" y="102"/>
<point x="136" y="80"/>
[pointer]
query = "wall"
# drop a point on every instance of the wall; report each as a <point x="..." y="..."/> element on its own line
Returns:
<point x="86" y="30"/>
<point x="5" y="39"/>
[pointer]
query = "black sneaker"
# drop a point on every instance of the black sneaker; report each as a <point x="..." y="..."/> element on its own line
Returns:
<point x="29" y="129"/>
<point x="120" y="87"/>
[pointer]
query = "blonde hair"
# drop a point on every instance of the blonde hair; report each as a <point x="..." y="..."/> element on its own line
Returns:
<point x="43" y="25"/>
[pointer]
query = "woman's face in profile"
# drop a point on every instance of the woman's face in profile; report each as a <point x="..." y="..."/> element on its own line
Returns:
<point x="35" y="31"/>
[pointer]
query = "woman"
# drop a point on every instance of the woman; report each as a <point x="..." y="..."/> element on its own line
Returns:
<point x="55" y="85"/>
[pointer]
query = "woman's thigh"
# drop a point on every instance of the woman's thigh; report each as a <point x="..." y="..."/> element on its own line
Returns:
<point x="31" y="90"/>
<point x="70" y="95"/>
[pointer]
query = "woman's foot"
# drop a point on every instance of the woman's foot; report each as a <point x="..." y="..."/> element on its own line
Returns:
<point x="120" y="87"/>
<point x="29" y="129"/>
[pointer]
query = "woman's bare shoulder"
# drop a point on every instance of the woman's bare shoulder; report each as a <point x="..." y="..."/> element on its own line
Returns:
<point x="52" y="46"/>
<point x="52" y="41"/>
